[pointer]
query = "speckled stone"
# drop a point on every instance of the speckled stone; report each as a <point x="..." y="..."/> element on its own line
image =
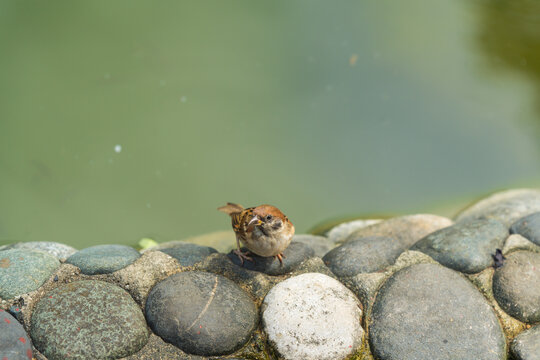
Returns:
<point x="427" y="311"/>
<point x="187" y="254"/>
<point x="295" y="253"/>
<point x="516" y="286"/>
<point x="405" y="229"/>
<point x="312" y="316"/>
<point x="364" y="255"/>
<point x="24" y="270"/>
<point x="201" y="313"/>
<point x="103" y="259"/>
<point x="505" y="206"/>
<point x="528" y="227"/>
<point x="14" y="342"/>
<point x="88" y="320"/>
<point x="466" y="246"/>
<point x="526" y="346"/>
<point x="60" y="251"/>
<point x="320" y="244"/>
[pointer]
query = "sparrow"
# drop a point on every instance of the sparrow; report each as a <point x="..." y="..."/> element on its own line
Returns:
<point x="264" y="230"/>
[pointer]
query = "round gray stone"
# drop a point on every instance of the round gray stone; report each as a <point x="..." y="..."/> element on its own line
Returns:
<point x="320" y="244"/>
<point x="312" y="316"/>
<point x="294" y="255"/>
<point x="465" y="246"/>
<point x="201" y="313"/>
<point x="528" y="227"/>
<point x="187" y="254"/>
<point x="364" y="255"/>
<point x="24" y="270"/>
<point x="505" y="206"/>
<point x="427" y="311"/>
<point x="88" y="320"/>
<point x="526" y="346"/>
<point x="340" y="232"/>
<point x="405" y="229"/>
<point x="14" y="342"/>
<point x="516" y="286"/>
<point x="103" y="259"/>
<point x="61" y="251"/>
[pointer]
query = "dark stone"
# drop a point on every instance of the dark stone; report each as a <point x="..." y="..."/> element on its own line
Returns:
<point x="188" y="254"/>
<point x="16" y="312"/>
<point x="427" y="311"/>
<point x="526" y="346"/>
<point x="14" y="342"/>
<point x="294" y="254"/>
<point x="103" y="259"/>
<point x="88" y="319"/>
<point x="201" y="313"/>
<point x="24" y="270"/>
<point x="465" y="246"/>
<point x="257" y="284"/>
<point x="528" y="227"/>
<point x="516" y="286"/>
<point x="157" y="349"/>
<point x="364" y="255"/>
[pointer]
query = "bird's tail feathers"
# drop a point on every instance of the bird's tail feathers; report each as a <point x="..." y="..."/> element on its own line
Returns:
<point x="231" y="208"/>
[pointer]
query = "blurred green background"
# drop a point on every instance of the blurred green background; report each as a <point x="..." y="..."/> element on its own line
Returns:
<point x="128" y="119"/>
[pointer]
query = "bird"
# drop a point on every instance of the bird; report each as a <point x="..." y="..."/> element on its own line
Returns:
<point x="263" y="229"/>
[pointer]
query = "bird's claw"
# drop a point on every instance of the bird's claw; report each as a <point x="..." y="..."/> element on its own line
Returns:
<point x="243" y="256"/>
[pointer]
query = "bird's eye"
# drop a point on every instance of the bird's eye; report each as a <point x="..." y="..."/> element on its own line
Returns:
<point x="268" y="217"/>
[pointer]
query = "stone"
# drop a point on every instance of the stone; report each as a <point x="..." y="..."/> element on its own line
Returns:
<point x="364" y="255"/>
<point x="340" y="232"/>
<point x="526" y="346"/>
<point x="201" y="313"/>
<point x="294" y="255"/>
<point x="103" y="259"/>
<point x="465" y="246"/>
<point x="139" y="278"/>
<point x="528" y="227"/>
<point x="313" y="265"/>
<point x="320" y="244"/>
<point x="14" y="342"/>
<point x="505" y="206"/>
<point x="405" y="229"/>
<point x="24" y="270"/>
<point x="187" y="254"/>
<point x="157" y="349"/>
<point x="366" y="285"/>
<point x="88" y="319"/>
<point x="483" y="282"/>
<point x="517" y="242"/>
<point x="427" y="311"/>
<point x="516" y="286"/>
<point x="60" y="251"/>
<point x="257" y="284"/>
<point x="312" y="316"/>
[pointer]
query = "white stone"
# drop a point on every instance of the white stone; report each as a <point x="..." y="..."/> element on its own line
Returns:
<point x="312" y="316"/>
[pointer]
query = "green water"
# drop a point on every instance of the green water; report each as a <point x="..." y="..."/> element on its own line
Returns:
<point x="128" y="119"/>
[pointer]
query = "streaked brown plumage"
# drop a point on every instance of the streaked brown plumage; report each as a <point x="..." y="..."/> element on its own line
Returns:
<point x="264" y="230"/>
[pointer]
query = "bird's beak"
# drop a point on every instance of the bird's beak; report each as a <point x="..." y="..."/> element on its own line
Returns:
<point x="255" y="220"/>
